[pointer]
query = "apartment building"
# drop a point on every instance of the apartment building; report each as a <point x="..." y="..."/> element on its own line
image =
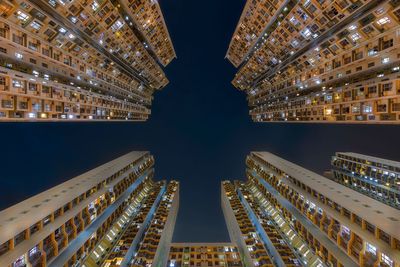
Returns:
<point x="259" y="231"/>
<point x="375" y="177"/>
<point x="282" y="215"/>
<point x="81" y="60"/>
<point x="305" y="218"/>
<point x="319" y="61"/>
<point x="113" y="215"/>
<point x="241" y="230"/>
<point x="204" y="254"/>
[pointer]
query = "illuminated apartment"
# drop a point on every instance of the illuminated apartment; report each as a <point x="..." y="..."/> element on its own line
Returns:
<point x="113" y="215"/>
<point x="81" y="60"/>
<point x="241" y="230"/>
<point x="375" y="177"/>
<point x="203" y="254"/>
<point x="319" y="61"/>
<point x="334" y="225"/>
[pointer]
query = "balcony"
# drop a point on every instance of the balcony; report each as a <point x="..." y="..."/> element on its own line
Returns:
<point x="35" y="257"/>
<point x="19" y="238"/>
<point x="49" y="250"/>
<point x="70" y="232"/>
<point x="4" y="248"/>
<point x="60" y="239"/>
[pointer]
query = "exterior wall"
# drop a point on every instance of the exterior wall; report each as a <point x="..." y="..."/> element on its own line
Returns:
<point x="123" y="218"/>
<point x="157" y="238"/>
<point x="255" y="17"/>
<point x="247" y="238"/>
<point x="351" y="226"/>
<point x="234" y="231"/>
<point x="59" y="66"/>
<point x="66" y="222"/>
<point x="374" y="177"/>
<point x="121" y="242"/>
<point x="161" y="257"/>
<point x="337" y="63"/>
<point x="203" y="254"/>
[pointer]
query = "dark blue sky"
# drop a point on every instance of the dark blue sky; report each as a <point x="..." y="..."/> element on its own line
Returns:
<point x="199" y="133"/>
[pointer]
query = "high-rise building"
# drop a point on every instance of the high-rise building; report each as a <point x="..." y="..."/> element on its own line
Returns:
<point x="204" y="254"/>
<point x="81" y="60"/>
<point x="319" y="61"/>
<point x="285" y="215"/>
<point x="372" y="176"/>
<point x="113" y="215"/>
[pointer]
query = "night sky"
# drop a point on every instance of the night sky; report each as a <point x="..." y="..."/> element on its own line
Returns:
<point x="199" y="132"/>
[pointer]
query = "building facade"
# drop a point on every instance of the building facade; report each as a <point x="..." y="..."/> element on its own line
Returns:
<point x="372" y="176"/>
<point x="204" y="254"/>
<point x="282" y="215"/>
<point x="319" y="61"/>
<point x="113" y="215"/>
<point x="262" y="235"/>
<point x="285" y="215"/>
<point x="81" y="60"/>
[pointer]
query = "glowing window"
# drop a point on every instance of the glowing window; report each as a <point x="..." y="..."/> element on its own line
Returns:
<point x="370" y="248"/>
<point x="36" y="25"/>
<point x="355" y="36"/>
<point x="95" y="6"/>
<point x="387" y="260"/>
<point x="117" y="25"/>
<point x="383" y="21"/>
<point x="22" y="16"/>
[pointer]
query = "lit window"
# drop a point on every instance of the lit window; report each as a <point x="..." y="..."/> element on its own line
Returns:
<point x="17" y="84"/>
<point x="372" y="52"/>
<point x="294" y="21"/>
<point x="355" y="109"/>
<point x="117" y="25"/>
<point x="345" y="230"/>
<point x="22" y="16"/>
<point x="73" y="19"/>
<point x="53" y="3"/>
<point x="96" y="254"/>
<point x="95" y="6"/>
<point x="328" y="112"/>
<point x="306" y="33"/>
<point x="33" y="251"/>
<point x="367" y="109"/>
<point x="352" y="27"/>
<point x="19" y="55"/>
<point x="385" y="60"/>
<point x="62" y="30"/>
<point x="387" y="260"/>
<point x="36" y="25"/>
<point x="21" y="261"/>
<point x="355" y="36"/>
<point x="383" y="21"/>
